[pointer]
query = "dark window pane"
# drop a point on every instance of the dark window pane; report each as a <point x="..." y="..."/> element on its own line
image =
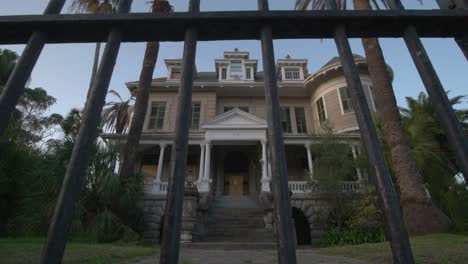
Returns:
<point x="195" y="117"/>
<point x="321" y="110"/>
<point x="300" y="120"/>
<point x="286" y="119"/>
<point x="157" y="115"/>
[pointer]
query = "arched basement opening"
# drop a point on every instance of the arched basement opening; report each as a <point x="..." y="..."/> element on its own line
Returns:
<point x="302" y="227"/>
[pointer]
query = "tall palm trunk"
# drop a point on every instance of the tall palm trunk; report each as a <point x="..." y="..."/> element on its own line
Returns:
<point x="421" y="216"/>
<point x="97" y="51"/>
<point x="141" y="102"/>
<point x="139" y="111"/>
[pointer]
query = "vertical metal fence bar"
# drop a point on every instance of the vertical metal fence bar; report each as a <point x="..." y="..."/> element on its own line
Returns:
<point x="175" y="195"/>
<point x="286" y="242"/>
<point x="444" y="111"/>
<point x="396" y="230"/>
<point x="19" y="77"/>
<point x="58" y="230"/>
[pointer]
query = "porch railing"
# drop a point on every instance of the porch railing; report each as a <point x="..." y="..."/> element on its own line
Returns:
<point x="156" y="187"/>
<point x="294" y="186"/>
<point x="342" y="187"/>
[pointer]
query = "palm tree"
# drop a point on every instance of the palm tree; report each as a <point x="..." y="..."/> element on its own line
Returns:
<point x="421" y="216"/>
<point x="94" y="7"/>
<point x="432" y="152"/>
<point x="116" y="116"/>
<point x="142" y="96"/>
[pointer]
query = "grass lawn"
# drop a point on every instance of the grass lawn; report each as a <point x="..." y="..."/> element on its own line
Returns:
<point x="28" y="250"/>
<point x="440" y="248"/>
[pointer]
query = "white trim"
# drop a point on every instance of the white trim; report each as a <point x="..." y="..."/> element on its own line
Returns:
<point x="300" y="70"/>
<point x="213" y="123"/>
<point x="346" y="129"/>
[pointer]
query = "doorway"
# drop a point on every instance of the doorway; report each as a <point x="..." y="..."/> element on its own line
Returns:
<point x="236" y="167"/>
<point x="236" y="185"/>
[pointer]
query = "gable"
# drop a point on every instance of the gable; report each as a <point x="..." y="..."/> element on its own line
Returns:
<point x="235" y="118"/>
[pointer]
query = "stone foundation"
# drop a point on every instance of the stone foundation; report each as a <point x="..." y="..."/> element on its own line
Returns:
<point x="153" y="212"/>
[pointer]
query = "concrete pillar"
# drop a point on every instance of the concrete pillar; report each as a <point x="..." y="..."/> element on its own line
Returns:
<point x="265" y="181"/>
<point x="202" y="162"/>
<point x="160" y="162"/>
<point x="309" y="161"/>
<point x="204" y="184"/>
<point x="358" y="170"/>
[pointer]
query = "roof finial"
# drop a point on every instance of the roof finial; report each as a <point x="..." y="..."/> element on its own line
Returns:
<point x="288" y="56"/>
<point x="236" y="49"/>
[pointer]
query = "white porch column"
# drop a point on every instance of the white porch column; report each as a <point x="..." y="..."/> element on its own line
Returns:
<point x="309" y="161"/>
<point x="202" y="162"/>
<point x="204" y="184"/>
<point x="160" y="162"/>
<point x="358" y="170"/>
<point x="265" y="181"/>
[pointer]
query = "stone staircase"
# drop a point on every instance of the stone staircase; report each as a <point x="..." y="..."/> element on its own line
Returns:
<point x="236" y="222"/>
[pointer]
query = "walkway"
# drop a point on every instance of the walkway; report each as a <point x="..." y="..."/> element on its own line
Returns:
<point x="213" y="256"/>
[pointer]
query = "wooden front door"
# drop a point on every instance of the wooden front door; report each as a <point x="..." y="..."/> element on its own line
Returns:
<point x="236" y="185"/>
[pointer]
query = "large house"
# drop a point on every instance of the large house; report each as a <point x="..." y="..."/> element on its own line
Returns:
<point x="228" y="144"/>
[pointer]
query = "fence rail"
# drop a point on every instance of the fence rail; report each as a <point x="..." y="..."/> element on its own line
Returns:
<point x="266" y="25"/>
<point x="139" y="27"/>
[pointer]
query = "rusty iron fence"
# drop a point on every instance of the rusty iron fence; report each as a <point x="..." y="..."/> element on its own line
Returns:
<point x="265" y="25"/>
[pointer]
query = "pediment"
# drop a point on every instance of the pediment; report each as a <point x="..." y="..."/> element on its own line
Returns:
<point x="235" y="118"/>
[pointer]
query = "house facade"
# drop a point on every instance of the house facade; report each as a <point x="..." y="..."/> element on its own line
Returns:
<point x="228" y="143"/>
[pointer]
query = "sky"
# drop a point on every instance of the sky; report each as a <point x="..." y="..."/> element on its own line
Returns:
<point x="64" y="69"/>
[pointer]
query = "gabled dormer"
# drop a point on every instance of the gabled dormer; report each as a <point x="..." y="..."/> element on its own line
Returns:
<point x="236" y="66"/>
<point x="174" y="69"/>
<point x="291" y="70"/>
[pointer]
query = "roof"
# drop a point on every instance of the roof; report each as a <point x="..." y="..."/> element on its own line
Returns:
<point x="336" y="60"/>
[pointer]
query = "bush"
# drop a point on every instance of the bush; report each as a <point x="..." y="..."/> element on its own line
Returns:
<point x="339" y="236"/>
<point x="355" y="221"/>
<point x="106" y="211"/>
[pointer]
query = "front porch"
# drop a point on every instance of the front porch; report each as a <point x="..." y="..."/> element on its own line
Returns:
<point x="232" y="158"/>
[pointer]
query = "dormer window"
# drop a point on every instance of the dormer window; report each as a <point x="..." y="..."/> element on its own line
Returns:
<point x="236" y="70"/>
<point x="175" y="72"/>
<point x="223" y="73"/>
<point x="292" y="74"/>
<point x="248" y="73"/>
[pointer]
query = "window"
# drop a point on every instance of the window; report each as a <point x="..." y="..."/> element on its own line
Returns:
<point x="175" y="72"/>
<point x="248" y="73"/>
<point x="244" y="108"/>
<point x="345" y="100"/>
<point x="292" y="74"/>
<point x="195" y="117"/>
<point x="157" y="115"/>
<point x="300" y="120"/>
<point x="286" y="119"/>
<point x="321" y="110"/>
<point x="236" y="70"/>
<point x="223" y="73"/>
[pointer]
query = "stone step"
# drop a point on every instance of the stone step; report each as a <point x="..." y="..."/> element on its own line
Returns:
<point x="228" y="245"/>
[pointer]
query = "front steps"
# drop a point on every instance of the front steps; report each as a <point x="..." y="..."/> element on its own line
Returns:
<point x="236" y="222"/>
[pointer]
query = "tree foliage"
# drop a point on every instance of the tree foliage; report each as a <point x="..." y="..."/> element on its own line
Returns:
<point x="435" y="158"/>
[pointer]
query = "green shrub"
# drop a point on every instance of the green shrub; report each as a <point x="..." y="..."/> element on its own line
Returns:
<point x="337" y="236"/>
<point x="355" y="221"/>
